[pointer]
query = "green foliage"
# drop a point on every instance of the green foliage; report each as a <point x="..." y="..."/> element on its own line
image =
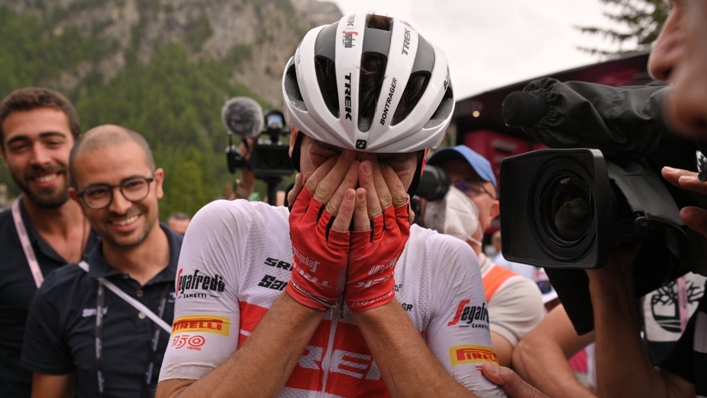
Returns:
<point x="198" y="31"/>
<point x="174" y="101"/>
<point x="640" y="22"/>
<point x="29" y="57"/>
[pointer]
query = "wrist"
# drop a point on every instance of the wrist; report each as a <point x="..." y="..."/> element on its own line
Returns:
<point x="241" y="191"/>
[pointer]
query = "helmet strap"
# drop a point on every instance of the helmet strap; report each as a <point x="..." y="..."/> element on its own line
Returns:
<point x="421" y="160"/>
<point x="295" y="154"/>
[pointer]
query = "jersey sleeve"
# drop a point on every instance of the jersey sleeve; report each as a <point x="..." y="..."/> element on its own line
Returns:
<point x="515" y="308"/>
<point x="458" y="333"/>
<point x="206" y="314"/>
<point x="44" y="349"/>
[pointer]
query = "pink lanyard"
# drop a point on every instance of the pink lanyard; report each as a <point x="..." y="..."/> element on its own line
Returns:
<point x="26" y="246"/>
<point x="682" y="303"/>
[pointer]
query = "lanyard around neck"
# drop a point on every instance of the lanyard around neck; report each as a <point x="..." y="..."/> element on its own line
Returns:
<point x="26" y="245"/>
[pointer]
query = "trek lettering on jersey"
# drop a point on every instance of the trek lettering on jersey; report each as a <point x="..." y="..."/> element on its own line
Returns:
<point x="471" y="315"/>
<point x="463" y="354"/>
<point x="343" y="356"/>
<point x="198" y="285"/>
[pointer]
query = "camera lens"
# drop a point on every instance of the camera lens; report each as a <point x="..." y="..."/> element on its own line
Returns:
<point x="566" y="209"/>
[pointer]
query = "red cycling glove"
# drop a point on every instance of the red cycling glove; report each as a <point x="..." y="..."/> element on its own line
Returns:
<point x="320" y="255"/>
<point x="369" y="280"/>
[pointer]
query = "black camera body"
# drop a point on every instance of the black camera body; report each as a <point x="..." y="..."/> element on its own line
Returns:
<point x="267" y="159"/>
<point x="565" y="208"/>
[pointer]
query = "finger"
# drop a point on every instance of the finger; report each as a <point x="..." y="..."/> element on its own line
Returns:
<point x="514" y="386"/>
<point x="381" y="186"/>
<point x="366" y="181"/>
<point x="343" y="219"/>
<point x="319" y="174"/>
<point x="398" y="193"/>
<point x="350" y="182"/>
<point x="673" y="175"/>
<point x="695" y="218"/>
<point x="328" y="185"/>
<point x="361" y="220"/>
<point x="292" y="195"/>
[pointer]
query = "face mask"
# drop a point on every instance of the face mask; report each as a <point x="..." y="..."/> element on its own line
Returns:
<point x="455" y="215"/>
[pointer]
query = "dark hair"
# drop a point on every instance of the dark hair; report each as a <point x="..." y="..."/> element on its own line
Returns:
<point x="29" y="98"/>
<point x="372" y="76"/>
<point x="179" y="216"/>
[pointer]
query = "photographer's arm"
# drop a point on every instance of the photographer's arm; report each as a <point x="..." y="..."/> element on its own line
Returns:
<point x="243" y="187"/>
<point x="623" y="367"/>
<point x="541" y="356"/>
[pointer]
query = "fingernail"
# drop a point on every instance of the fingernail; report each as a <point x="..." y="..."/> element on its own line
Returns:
<point x="367" y="168"/>
<point x="491" y="368"/>
<point x="361" y="195"/>
<point x="669" y="169"/>
<point x="349" y="195"/>
<point x="353" y="166"/>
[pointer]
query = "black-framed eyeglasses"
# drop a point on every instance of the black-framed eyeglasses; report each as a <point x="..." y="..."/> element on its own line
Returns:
<point x="472" y="188"/>
<point x="99" y="196"/>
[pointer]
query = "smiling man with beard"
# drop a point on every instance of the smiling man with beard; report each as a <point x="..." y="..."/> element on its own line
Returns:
<point x="44" y="230"/>
<point x="83" y="338"/>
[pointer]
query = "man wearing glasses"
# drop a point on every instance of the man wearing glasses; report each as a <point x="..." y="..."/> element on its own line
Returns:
<point x="83" y="338"/>
<point x="515" y="303"/>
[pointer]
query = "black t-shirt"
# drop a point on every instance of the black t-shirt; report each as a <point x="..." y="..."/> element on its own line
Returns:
<point x="17" y="288"/>
<point x="60" y="337"/>
<point x="688" y="358"/>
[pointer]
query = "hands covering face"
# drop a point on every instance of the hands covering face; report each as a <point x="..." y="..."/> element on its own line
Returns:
<point x="349" y="226"/>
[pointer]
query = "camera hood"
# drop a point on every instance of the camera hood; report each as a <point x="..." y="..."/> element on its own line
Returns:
<point x="563" y="209"/>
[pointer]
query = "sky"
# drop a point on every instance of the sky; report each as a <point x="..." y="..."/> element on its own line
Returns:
<point x="493" y="43"/>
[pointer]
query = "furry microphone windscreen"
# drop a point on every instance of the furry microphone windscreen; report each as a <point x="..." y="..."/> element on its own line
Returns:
<point x="243" y="117"/>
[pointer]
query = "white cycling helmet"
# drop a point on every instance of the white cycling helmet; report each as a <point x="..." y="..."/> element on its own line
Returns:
<point x="333" y="116"/>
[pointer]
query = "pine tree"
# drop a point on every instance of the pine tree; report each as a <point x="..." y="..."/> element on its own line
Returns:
<point x="638" y="23"/>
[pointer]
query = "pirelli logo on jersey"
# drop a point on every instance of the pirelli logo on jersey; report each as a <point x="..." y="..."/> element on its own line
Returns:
<point x="202" y="324"/>
<point x="463" y="354"/>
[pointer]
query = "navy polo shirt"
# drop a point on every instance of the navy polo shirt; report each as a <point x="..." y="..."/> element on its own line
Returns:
<point x="60" y="336"/>
<point x="17" y="287"/>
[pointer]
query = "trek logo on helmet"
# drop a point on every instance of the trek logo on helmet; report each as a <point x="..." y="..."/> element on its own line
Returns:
<point x="361" y="144"/>
<point x="347" y="96"/>
<point x="406" y="41"/>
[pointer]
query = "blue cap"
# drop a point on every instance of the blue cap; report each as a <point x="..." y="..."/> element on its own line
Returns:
<point x="463" y="152"/>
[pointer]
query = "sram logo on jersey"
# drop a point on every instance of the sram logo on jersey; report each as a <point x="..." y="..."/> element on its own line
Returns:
<point x="474" y="316"/>
<point x="462" y="354"/>
<point x="202" y="323"/>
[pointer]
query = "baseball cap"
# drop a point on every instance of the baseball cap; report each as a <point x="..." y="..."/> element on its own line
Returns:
<point x="481" y="166"/>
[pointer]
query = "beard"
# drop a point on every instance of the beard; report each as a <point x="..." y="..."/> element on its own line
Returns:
<point x="43" y="198"/>
<point x="126" y="243"/>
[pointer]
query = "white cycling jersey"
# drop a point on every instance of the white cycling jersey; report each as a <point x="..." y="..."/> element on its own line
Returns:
<point x="236" y="261"/>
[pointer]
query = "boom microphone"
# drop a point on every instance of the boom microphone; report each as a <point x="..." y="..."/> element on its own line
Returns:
<point x="243" y="117"/>
<point x="523" y="108"/>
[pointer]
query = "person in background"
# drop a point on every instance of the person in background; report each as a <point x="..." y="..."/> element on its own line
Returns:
<point x="515" y="302"/>
<point x="178" y="222"/>
<point x="44" y="229"/>
<point x="100" y="328"/>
